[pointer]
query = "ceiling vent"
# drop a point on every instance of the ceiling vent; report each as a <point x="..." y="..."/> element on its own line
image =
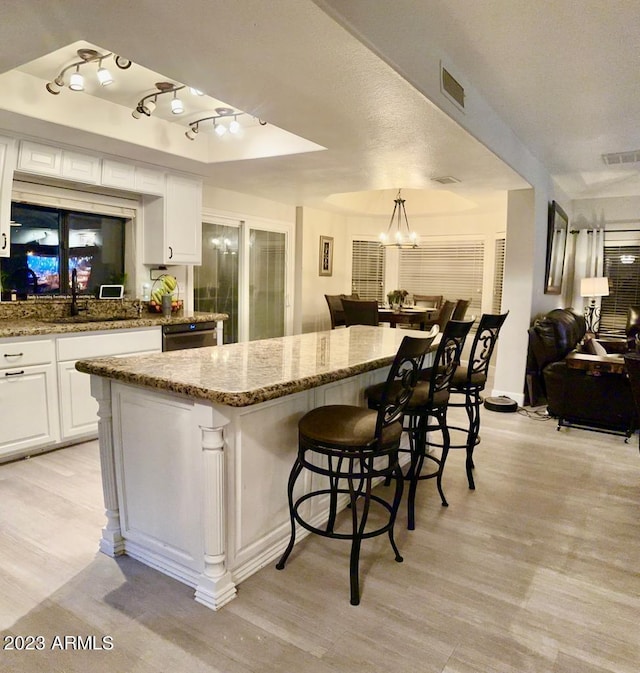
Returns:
<point x="446" y="180"/>
<point x="450" y="86"/>
<point x="617" y="158"/>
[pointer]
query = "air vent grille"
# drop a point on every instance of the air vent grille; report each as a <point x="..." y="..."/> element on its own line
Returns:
<point x="446" y="180"/>
<point x="451" y="87"/>
<point x="616" y="158"/>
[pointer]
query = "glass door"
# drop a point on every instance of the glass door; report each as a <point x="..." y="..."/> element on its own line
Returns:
<point x="267" y="284"/>
<point x="216" y="281"/>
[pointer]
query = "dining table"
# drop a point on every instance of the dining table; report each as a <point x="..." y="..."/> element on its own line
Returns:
<point x="418" y="315"/>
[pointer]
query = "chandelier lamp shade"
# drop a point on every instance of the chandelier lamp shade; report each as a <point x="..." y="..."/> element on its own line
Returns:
<point x="147" y="104"/>
<point x="592" y="288"/>
<point x="398" y="234"/>
<point x="76" y="79"/>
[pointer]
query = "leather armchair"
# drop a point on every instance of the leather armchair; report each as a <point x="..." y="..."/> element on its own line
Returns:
<point x="588" y="391"/>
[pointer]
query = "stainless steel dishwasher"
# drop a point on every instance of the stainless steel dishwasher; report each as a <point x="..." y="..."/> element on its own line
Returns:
<point x="188" y="335"/>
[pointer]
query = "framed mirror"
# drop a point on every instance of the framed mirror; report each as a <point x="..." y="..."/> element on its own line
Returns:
<point x="558" y="226"/>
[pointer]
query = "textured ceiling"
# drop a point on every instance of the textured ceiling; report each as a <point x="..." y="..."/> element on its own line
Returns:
<point x="563" y="79"/>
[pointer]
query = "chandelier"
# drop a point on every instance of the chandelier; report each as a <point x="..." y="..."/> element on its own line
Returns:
<point x="398" y="234"/>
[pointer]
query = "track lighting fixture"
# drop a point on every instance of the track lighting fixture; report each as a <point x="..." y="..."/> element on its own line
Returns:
<point x="220" y="129"/>
<point x="76" y="80"/>
<point x="147" y="104"/>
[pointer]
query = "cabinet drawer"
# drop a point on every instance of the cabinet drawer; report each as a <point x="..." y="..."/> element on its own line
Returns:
<point x="22" y="353"/>
<point x="118" y="342"/>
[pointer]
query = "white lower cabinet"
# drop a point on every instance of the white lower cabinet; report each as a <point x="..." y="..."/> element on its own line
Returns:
<point x="44" y="400"/>
<point x="28" y="397"/>
<point x="78" y="409"/>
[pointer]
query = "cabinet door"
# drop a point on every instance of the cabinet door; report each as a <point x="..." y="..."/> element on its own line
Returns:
<point x="117" y="174"/>
<point x="29" y="403"/>
<point x="7" y="166"/>
<point x="36" y="158"/>
<point x="78" y="410"/>
<point x="80" y="167"/>
<point x="183" y="221"/>
<point x="149" y="181"/>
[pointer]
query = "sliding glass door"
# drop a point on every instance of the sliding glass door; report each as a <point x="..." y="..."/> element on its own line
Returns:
<point x="267" y="284"/>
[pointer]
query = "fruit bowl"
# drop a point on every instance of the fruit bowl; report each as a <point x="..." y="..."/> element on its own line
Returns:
<point x="164" y="285"/>
<point x="176" y="305"/>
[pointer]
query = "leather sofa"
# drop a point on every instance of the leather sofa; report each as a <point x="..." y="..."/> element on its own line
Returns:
<point x="589" y="388"/>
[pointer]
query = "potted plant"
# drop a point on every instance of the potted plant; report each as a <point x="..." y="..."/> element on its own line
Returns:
<point x="396" y="297"/>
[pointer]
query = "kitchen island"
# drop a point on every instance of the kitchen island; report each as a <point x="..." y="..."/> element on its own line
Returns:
<point x="196" y="446"/>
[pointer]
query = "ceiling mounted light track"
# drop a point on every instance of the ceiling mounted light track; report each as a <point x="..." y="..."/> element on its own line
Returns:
<point x="398" y="234"/>
<point x="219" y="129"/>
<point x="147" y="104"/>
<point x="76" y="80"/>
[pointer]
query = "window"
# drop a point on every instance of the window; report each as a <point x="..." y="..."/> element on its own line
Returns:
<point x="46" y="241"/>
<point x="367" y="270"/>
<point x="498" y="276"/>
<point x="216" y="281"/>
<point x="622" y="268"/>
<point x="453" y="269"/>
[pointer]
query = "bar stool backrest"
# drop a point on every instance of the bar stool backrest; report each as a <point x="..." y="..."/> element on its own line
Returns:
<point x="483" y="344"/>
<point x="460" y="310"/>
<point x="405" y="371"/>
<point x="448" y="356"/>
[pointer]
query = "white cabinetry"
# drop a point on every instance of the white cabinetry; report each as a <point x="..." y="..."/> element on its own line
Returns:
<point x="28" y="396"/>
<point x="132" y="178"/>
<point x="53" y="161"/>
<point x="173" y="225"/>
<point x="7" y="166"/>
<point x="78" y="410"/>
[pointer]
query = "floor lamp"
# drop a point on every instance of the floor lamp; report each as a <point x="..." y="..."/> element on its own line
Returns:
<point x="593" y="287"/>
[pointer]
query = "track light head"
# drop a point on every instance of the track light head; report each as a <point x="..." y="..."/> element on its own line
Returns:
<point x="192" y="132"/>
<point x="104" y="76"/>
<point x="76" y="81"/>
<point x="220" y="130"/>
<point x="55" y="86"/>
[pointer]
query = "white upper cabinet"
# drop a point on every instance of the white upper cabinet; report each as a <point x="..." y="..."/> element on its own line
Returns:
<point x="132" y="178"/>
<point x="7" y="166"/>
<point x="173" y="224"/>
<point x="47" y="160"/>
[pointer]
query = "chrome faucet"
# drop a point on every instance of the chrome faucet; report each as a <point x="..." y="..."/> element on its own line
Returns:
<point x="75" y="309"/>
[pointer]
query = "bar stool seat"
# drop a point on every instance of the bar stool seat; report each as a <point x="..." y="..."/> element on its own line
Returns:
<point x="353" y="448"/>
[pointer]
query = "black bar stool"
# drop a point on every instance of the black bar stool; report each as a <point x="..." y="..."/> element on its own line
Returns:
<point x="353" y="447"/>
<point x="470" y="382"/>
<point x="430" y="399"/>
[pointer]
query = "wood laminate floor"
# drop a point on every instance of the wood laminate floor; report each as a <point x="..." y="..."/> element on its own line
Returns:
<point x="537" y="570"/>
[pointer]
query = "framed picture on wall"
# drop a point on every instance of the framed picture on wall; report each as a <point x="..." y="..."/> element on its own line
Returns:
<point x="326" y="256"/>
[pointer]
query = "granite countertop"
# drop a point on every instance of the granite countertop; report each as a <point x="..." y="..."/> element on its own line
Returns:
<point x="242" y="374"/>
<point x="19" y="327"/>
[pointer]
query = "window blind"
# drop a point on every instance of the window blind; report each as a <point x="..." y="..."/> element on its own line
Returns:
<point x="453" y="269"/>
<point x="367" y="270"/>
<point x="622" y="268"/>
<point x="498" y="276"/>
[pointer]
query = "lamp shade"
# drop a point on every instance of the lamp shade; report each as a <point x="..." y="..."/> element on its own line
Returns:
<point x="594" y="287"/>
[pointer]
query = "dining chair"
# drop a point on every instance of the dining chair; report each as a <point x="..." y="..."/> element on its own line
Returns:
<point x="336" y="311"/>
<point x="443" y="316"/>
<point x="460" y="309"/>
<point x="470" y="381"/>
<point x="346" y="449"/>
<point x="428" y="300"/>
<point x="360" y="312"/>
<point x="429" y="400"/>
